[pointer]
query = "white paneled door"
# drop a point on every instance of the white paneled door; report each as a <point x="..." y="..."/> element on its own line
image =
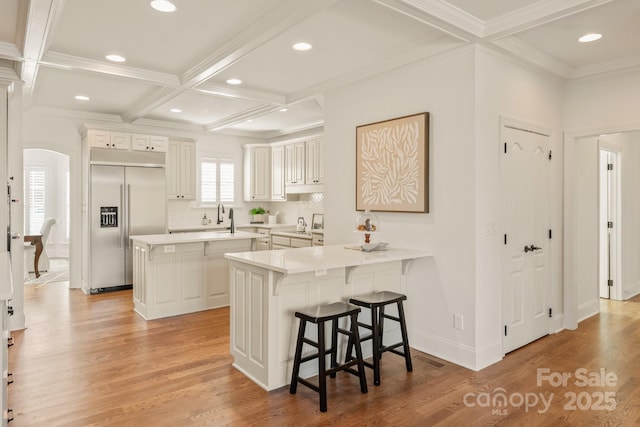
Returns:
<point x="525" y="256"/>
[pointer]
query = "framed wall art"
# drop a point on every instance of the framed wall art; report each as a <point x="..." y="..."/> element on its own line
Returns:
<point x="392" y="165"/>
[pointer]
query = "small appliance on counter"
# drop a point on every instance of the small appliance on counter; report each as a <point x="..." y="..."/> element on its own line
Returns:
<point x="302" y="225"/>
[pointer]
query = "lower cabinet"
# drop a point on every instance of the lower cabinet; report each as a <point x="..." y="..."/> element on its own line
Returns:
<point x="169" y="280"/>
<point x="284" y="242"/>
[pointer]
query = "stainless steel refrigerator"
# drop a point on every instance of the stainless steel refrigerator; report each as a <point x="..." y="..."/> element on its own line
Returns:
<point x="125" y="201"/>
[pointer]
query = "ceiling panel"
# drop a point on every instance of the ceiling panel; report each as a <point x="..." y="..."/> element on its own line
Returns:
<point x="348" y="36"/>
<point x="56" y="88"/>
<point x="8" y="20"/>
<point x="201" y="108"/>
<point x="166" y="42"/>
<point x="282" y="121"/>
<point x="618" y="22"/>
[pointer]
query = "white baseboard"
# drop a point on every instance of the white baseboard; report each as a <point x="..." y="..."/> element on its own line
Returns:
<point x="588" y="309"/>
<point x="631" y="291"/>
<point x="460" y="354"/>
<point x="17" y="321"/>
<point x="557" y="323"/>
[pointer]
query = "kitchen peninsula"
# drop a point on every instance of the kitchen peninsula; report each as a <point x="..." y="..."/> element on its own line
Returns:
<point x="185" y="272"/>
<point x="267" y="287"/>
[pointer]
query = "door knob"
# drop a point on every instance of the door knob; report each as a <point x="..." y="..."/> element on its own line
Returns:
<point x="531" y="248"/>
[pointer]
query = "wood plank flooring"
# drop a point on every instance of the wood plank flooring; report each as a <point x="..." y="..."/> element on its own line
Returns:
<point x="91" y="361"/>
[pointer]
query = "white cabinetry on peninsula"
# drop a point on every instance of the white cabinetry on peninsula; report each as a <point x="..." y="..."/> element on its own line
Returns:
<point x="183" y="273"/>
<point x="181" y="170"/>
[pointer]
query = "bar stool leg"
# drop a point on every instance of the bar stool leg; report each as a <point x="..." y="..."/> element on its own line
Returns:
<point x="322" y="369"/>
<point x="355" y="336"/>
<point x="334" y="346"/>
<point x="375" y="325"/>
<point x="381" y="329"/>
<point x="405" y="337"/>
<point x="296" y="360"/>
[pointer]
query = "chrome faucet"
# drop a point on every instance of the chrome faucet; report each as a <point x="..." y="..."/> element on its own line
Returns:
<point x="220" y="220"/>
<point x="232" y="227"/>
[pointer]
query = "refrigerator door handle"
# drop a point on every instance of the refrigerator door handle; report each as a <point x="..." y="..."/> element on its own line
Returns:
<point x="121" y="216"/>
<point x="128" y="244"/>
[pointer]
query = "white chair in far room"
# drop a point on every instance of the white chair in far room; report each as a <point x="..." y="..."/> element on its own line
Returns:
<point x="30" y="250"/>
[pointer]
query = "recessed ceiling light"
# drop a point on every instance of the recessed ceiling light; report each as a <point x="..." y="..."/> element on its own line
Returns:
<point x="282" y="110"/>
<point x="82" y="97"/>
<point x="115" y="58"/>
<point x="249" y="121"/>
<point x="175" y="110"/>
<point x="302" y="46"/>
<point x="591" y="37"/>
<point x="234" y="81"/>
<point x="163" y="5"/>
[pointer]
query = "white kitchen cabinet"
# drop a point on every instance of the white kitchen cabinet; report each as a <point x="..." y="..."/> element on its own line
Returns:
<point x="294" y="160"/>
<point x="317" y="239"/>
<point x="140" y="142"/>
<point x="278" y="173"/>
<point x="285" y="242"/>
<point x="110" y="140"/>
<point x="314" y="173"/>
<point x="257" y="164"/>
<point x="181" y="170"/>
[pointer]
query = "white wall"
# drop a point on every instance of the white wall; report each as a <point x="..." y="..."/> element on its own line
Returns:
<point x="466" y="92"/>
<point x="506" y="89"/>
<point x="444" y="284"/>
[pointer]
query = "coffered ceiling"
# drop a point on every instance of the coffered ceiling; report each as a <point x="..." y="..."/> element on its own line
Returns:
<point x="183" y="60"/>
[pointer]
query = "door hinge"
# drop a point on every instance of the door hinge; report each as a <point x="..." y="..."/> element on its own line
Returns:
<point x="610" y="224"/>
<point x="550" y="312"/>
<point x="609" y="282"/>
<point x="505" y="239"/>
<point x="505" y="330"/>
<point x="550" y="154"/>
<point x="609" y="166"/>
<point x="505" y="148"/>
<point x="550" y="234"/>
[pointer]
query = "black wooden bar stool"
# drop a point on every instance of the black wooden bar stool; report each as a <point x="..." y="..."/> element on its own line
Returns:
<point x="319" y="315"/>
<point x="376" y="302"/>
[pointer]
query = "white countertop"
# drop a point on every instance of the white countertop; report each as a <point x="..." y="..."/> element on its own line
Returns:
<point x="214" y="227"/>
<point x="201" y="236"/>
<point x="303" y="260"/>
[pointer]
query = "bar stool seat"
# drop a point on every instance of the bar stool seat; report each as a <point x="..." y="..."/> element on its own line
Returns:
<point x="319" y="315"/>
<point x="376" y="302"/>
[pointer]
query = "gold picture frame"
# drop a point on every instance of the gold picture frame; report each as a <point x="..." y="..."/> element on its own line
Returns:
<point x="392" y="165"/>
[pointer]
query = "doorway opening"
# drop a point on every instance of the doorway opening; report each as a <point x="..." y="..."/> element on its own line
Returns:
<point x="47" y="215"/>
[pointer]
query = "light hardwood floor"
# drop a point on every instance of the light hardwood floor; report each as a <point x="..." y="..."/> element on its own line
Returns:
<point x="90" y="360"/>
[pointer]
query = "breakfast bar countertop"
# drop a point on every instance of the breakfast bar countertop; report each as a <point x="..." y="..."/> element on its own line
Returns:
<point x="203" y="236"/>
<point x="315" y="258"/>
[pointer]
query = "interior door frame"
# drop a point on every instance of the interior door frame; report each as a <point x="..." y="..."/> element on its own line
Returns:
<point x="571" y="138"/>
<point x="510" y="122"/>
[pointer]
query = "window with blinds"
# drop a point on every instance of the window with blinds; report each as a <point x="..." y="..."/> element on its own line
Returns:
<point x="36" y="198"/>
<point x="217" y="181"/>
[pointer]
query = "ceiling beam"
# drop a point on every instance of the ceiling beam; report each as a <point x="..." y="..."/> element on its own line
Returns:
<point x="241" y="93"/>
<point x="259" y="111"/>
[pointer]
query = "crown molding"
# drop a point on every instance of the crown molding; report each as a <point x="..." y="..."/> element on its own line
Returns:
<point x="10" y="51"/>
<point x="75" y="114"/>
<point x="608" y="67"/>
<point x="69" y="62"/>
<point x="534" y="56"/>
<point x="536" y="14"/>
<point x="8" y="76"/>
<point x="309" y="129"/>
<point x="450" y="14"/>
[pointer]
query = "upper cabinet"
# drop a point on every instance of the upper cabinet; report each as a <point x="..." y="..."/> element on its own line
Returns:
<point x="181" y="170"/>
<point x="257" y="173"/>
<point x="141" y="142"/>
<point x="126" y="141"/>
<point x="294" y="160"/>
<point x="304" y="166"/>
<point x="277" y="173"/>
<point x="107" y="139"/>
<point x="314" y="162"/>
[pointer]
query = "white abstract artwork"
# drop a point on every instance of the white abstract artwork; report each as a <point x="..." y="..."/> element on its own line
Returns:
<point x="391" y="165"/>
